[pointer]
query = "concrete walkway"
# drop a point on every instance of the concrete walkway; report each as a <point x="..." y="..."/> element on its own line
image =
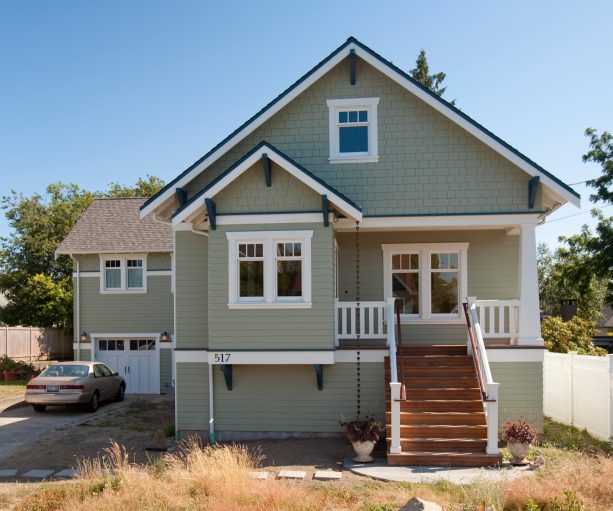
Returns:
<point x="381" y="471"/>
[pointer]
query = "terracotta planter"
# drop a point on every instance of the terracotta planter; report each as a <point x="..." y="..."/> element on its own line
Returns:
<point x="519" y="450"/>
<point x="10" y="376"/>
<point x="363" y="450"/>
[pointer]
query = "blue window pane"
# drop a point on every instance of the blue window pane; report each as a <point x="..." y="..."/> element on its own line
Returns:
<point x="363" y="115"/>
<point x="353" y="139"/>
<point x="342" y="117"/>
<point x="353" y="116"/>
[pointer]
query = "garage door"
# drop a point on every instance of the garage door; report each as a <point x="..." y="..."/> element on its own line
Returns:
<point x="137" y="360"/>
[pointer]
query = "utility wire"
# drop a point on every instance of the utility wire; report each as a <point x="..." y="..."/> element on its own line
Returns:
<point x="576" y="214"/>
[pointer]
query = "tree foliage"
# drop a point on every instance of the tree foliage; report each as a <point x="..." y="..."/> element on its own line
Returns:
<point x="574" y="335"/>
<point x="421" y="73"/>
<point x="36" y="284"/>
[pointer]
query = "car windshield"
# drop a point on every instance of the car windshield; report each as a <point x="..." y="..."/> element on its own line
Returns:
<point x="66" y="370"/>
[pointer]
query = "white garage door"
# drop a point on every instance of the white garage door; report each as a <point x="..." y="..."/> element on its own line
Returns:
<point x="137" y="360"/>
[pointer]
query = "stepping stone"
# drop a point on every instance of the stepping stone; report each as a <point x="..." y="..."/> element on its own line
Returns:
<point x="327" y="475"/>
<point x="292" y="474"/>
<point x="258" y="475"/>
<point x="38" y="474"/>
<point x="8" y="473"/>
<point x="67" y="472"/>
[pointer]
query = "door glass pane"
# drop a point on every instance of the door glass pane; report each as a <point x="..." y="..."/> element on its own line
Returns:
<point x="102" y="345"/>
<point x="142" y="344"/>
<point x="251" y="278"/>
<point x="133" y="345"/>
<point x="289" y="278"/>
<point x="119" y="345"/>
<point x="151" y="344"/>
<point x="110" y="345"/>
<point x="444" y="292"/>
<point x="405" y="287"/>
<point x="353" y="139"/>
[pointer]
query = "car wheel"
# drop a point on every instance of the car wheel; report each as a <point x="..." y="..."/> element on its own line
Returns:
<point x="39" y="408"/>
<point x="121" y="393"/>
<point x="94" y="402"/>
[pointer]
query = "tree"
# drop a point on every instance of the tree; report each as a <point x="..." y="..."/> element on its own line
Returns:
<point x="421" y="73"/>
<point x="36" y="284"/>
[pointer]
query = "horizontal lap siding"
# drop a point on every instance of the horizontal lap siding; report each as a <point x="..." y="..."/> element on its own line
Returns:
<point x="427" y="163"/>
<point x="521" y="391"/>
<point x="155" y="261"/>
<point x="158" y="261"/>
<point x="191" y="257"/>
<point x="127" y="313"/>
<point x="192" y="396"/>
<point x="165" y="370"/>
<point x="86" y="355"/>
<point x="285" y="398"/>
<point x="275" y="328"/>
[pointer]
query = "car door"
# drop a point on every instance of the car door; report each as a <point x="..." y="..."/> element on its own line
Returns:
<point x="102" y="381"/>
<point x="113" y="382"/>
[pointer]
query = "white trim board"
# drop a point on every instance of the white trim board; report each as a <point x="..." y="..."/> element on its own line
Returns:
<point x="559" y="192"/>
<point x="515" y="355"/>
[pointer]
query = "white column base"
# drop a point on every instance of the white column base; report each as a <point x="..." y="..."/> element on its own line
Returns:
<point x="491" y="409"/>
<point x="395" y="447"/>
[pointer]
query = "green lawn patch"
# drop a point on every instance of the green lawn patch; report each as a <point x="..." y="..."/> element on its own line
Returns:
<point x="570" y="438"/>
<point x="10" y="389"/>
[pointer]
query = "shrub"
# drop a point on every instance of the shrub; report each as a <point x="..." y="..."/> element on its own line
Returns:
<point x="8" y="364"/>
<point x="368" y="430"/>
<point x="519" y="431"/>
<point x="574" y="335"/>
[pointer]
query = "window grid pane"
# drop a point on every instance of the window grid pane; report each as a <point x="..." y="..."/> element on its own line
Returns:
<point x="251" y="275"/>
<point x="135" y="278"/>
<point x="289" y="278"/>
<point x="112" y="278"/>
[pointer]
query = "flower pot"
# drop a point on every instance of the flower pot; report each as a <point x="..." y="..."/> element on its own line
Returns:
<point x="519" y="451"/>
<point x="10" y="376"/>
<point x="363" y="450"/>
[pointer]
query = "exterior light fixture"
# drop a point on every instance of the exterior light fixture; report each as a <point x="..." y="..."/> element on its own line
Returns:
<point x="84" y="337"/>
<point x="164" y="337"/>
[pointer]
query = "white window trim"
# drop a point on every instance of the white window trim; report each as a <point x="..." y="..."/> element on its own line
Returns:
<point x="268" y="239"/>
<point x="124" y="274"/>
<point x="425" y="250"/>
<point x="337" y="105"/>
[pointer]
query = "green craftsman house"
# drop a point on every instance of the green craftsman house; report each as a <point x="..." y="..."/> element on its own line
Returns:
<point x="356" y="215"/>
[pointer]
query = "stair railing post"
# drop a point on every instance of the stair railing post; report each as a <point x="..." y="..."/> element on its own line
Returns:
<point x="395" y="447"/>
<point x="470" y="300"/>
<point x="395" y="385"/>
<point x="491" y="410"/>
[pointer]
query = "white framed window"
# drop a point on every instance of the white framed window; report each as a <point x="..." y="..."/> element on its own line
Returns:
<point x="429" y="280"/>
<point x="123" y="273"/>
<point x="269" y="269"/>
<point x="353" y="130"/>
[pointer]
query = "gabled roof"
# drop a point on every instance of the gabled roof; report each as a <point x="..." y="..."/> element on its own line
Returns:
<point x="264" y="149"/>
<point x="114" y="226"/>
<point x="560" y="190"/>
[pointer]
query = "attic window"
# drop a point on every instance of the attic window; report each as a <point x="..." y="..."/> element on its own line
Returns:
<point x="353" y="130"/>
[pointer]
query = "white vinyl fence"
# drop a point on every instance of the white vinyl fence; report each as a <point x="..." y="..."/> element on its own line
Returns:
<point x="578" y="390"/>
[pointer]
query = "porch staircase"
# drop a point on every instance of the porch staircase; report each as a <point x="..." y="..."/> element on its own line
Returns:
<point x="442" y="420"/>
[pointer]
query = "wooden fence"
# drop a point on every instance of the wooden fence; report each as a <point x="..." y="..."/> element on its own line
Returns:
<point x="30" y="343"/>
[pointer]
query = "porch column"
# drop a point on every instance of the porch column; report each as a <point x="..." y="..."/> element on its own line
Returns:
<point x="529" y="311"/>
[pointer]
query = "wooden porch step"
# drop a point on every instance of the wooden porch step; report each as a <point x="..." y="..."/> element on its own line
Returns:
<point x="441" y="393"/>
<point x="442" y="381"/>
<point x="434" y="360"/>
<point x="440" y="431"/>
<point x="444" y="459"/>
<point x="442" y="444"/>
<point x="437" y="349"/>
<point x="440" y="418"/>
<point x="440" y="371"/>
<point x="440" y="405"/>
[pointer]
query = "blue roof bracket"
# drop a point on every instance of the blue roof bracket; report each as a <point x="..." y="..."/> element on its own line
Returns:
<point x="267" y="170"/>
<point x="352" y="59"/>
<point x="211" y="209"/>
<point x="324" y="210"/>
<point x="533" y="186"/>
<point x="181" y="195"/>
<point x="226" y="369"/>
<point x="319" y="373"/>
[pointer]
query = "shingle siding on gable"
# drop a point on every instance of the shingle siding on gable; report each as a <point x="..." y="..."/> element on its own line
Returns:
<point x="249" y="193"/>
<point x="427" y="164"/>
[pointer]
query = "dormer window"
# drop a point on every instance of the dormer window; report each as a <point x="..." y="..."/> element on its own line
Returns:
<point x="353" y="130"/>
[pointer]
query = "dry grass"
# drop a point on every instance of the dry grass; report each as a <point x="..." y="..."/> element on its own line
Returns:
<point x="12" y="388"/>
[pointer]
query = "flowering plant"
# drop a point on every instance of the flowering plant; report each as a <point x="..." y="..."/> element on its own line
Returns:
<point x="519" y="431"/>
<point x="367" y="430"/>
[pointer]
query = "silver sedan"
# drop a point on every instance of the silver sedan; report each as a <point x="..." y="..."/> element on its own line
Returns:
<point x="75" y="383"/>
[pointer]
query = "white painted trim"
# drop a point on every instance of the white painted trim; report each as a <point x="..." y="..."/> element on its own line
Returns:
<point x="337" y="105"/>
<point x="515" y="355"/>
<point x="274" y="305"/>
<point x="188" y="227"/>
<point x="149" y="273"/>
<point x="529" y="333"/>
<point x="273" y="218"/>
<point x="459" y="222"/>
<point x="274" y="235"/>
<point x="271" y="357"/>
<point x="166" y="345"/>
<point x="245" y="165"/>
<point x="557" y="190"/>
<point x="124" y="274"/>
<point x="114" y="252"/>
<point x="349" y="356"/>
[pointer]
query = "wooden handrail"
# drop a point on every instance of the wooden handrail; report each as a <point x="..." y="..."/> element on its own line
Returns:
<point x="475" y="352"/>
<point x="403" y="391"/>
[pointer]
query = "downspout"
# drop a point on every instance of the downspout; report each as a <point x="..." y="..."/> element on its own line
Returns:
<point x="77" y="326"/>
<point x="211" y="414"/>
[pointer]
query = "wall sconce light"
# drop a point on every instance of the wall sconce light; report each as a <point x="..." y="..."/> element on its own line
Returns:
<point x="84" y="337"/>
<point x="164" y="337"/>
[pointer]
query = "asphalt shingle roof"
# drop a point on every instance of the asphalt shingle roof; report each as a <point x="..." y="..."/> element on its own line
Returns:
<point x="114" y="225"/>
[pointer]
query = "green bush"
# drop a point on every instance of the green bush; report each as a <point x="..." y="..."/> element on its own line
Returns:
<point x="8" y="364"/>
<point x="574" y="335"/>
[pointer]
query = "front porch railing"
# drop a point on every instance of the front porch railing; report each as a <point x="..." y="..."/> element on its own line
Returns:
<point x="499" y="319"/>
<point x="370" y="323"/>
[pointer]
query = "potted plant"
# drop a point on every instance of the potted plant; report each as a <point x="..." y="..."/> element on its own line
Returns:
<point x="363" y="435"/>
<point x="8" y="367"/>
<point x="519" y="437"/>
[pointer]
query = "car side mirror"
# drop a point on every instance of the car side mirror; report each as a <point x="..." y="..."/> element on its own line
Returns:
<point x="115" y="373"/>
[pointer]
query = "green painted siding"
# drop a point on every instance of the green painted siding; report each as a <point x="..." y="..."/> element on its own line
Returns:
<point x="521" y="391"/>
<point x="165" y="371"/>
<point x="191" y="258"/>
<point x="272" y="328"/>
<point x="285" y="398"/>
<point x="249" y="193"/>
<point x="427" y="164"/>
<point x="192" y="397"/>
<point x="86" y="355"/>
<point x="127" y="313"/>
<point x="155" y="261"/>
<point x="158" y="261"/>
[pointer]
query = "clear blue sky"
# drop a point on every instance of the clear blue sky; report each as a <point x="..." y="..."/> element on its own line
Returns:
<point x="95" y="92"/>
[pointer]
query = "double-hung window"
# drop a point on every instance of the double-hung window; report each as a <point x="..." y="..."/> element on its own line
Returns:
<point x="353" y="130"/>
<point x="122" y="274"/>
<point x="269" y="269"/>
<point x="429" y="280"/>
